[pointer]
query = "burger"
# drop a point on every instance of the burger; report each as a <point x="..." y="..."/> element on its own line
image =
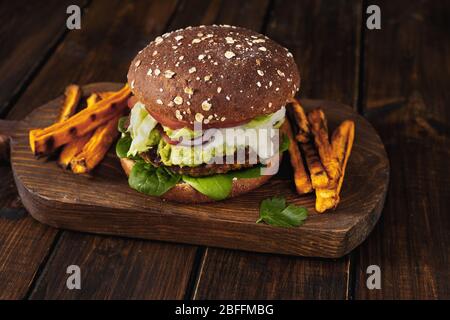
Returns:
<point x="194" y="88"/>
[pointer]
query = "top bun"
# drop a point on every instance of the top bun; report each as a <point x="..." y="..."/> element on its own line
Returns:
<point x="218" y="75"/>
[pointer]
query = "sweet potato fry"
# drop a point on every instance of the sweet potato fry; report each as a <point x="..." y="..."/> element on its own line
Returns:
<point x="342" y="143"/>
<point x="319" y="129"/>
<point x="325" y="200"/>
<point x="105" y="94"/>
<point x="301" y="178"/>
<point x="92" y="99"/>
<point x="96" y="148"/>
<point x="319" y="177"/>
<point x="304" y="131"/>
<point x="71" y="149"/>
<point x="74" y="147"/>
<point x="43" y="141"/>
<point x="72" y="98"/>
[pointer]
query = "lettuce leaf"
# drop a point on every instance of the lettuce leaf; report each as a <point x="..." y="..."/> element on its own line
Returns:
<point x="253" y="172"/>
<point x="216" y="187"/>
<point x="150" y="180"/>
<point x="123" y="145"/>
<point x="156" y="181"/>
<point x="258" y="121"/>
<point x="284" y="144"/>
<point x="140" y="129"/>
<point x="121" y="124"/>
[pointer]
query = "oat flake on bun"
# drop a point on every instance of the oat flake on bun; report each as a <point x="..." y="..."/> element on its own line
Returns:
<point x="219" y="75"/>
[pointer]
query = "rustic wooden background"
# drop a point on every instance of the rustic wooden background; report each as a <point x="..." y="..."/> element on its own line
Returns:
<point x="397" y="77"/>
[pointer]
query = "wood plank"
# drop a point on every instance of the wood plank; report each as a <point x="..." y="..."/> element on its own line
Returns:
<point x="324" y="39"/>
<point x="27" y="41"/>
<point x="248" y="14"/>
<point x="24" y="242"/>
<point x="26" y="44"/>
<point x="227" y="274"/>
<point x="407" y="98"/>
<point x="194" y="13"/>
<point x="82" y="58"/>
<point x="100" y="51"/>
<point x="187" y="14"/>
<point x="74" y="202"/>
<point x="115" y="268"/>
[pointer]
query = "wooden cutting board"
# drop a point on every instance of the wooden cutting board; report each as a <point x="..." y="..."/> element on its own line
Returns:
<point x="103" y="203"/>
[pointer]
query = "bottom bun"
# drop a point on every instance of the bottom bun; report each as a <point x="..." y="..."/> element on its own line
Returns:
<point x="183" y="192"/>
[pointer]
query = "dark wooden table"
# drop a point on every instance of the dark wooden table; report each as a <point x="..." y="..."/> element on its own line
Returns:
<point x="397" y="77"/>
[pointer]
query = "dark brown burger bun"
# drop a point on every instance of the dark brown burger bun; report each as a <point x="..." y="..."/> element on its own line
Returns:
<point x="184" y="193"/>
<point x="219" y="75"/>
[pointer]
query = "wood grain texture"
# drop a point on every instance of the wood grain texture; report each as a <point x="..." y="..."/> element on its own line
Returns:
<point x="407" y="98"/>
<point x="156" y="271"/>
<point x="26" y="44"/>
<point x="231" y="274"/>
<point x="68" y="203"/>
<point x="102" y="49"/>
<point x="324" y="38"/>
<point x="24" y="242"/>
<point x="26" y="41"/>
<point x="204" y="12"/>
<point x="103" y="35"/>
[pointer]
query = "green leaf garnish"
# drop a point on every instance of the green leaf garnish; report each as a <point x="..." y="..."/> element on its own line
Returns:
<point x="275" y="212"/>
<point x="121" y="124"/>
<point x="150" y="180"/>
<point x="284" y="145"/>
<point x="253" y="172"/>
<point x="123" y="145"/>
<point x="216" y="187"/>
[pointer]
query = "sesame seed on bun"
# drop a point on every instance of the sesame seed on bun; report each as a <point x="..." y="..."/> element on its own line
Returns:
<point x="220" y="76"/>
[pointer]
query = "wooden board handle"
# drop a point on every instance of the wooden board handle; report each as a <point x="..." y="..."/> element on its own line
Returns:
<point x="7" y="130"/>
